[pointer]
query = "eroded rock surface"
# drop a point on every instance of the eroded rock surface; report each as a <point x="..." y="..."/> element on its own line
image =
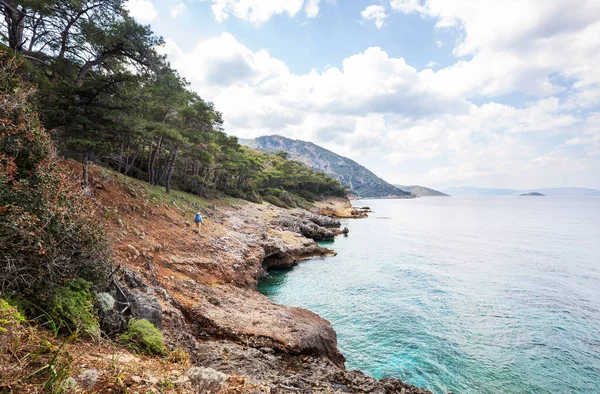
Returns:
<point x="201" y="288"/>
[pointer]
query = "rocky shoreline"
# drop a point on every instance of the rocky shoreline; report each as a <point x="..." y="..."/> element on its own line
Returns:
<point x="201" y="289"/>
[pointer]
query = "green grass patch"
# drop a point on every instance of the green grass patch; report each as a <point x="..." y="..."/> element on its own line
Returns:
<point x="72" y="307"/>
<point x="142" y="336"/>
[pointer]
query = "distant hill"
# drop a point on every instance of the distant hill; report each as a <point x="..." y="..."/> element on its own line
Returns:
<point x="422" y="191"/>
<point x="362" y="182"/>
<point x="468" y="191"/>
<point x="568" y="192"/>
<point x="533" y="194"/>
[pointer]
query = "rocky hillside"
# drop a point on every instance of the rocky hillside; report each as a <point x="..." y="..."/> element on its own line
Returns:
<point x="362" y="182"/>
<point x="220" y="334"/>
<point x="422" y="191"/>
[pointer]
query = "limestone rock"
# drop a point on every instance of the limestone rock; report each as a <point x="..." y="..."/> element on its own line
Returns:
<point x="206" y="380"/>
<point x="144" y="306"/>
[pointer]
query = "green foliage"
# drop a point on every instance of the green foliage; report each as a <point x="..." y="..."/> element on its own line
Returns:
<point x="275" y="201"/>
<point x="105" y="301"/>
<point x="145" y="123"/>
<point x="72" y="307"/>
<point x="48" y="229"/>
<point x="142" y="336"/>
<point x="9" y="316"/>
<point x="56" y="372"/>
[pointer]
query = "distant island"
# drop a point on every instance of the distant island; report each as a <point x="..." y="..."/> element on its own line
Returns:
<point x="468" y="191"/>
<point x="422" y="191"/>
<point x="532" y="194"/>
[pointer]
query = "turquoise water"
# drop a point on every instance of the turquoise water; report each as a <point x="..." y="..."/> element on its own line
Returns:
<point x="469" y="295"/>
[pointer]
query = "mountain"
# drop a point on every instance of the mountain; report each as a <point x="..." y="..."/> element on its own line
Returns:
<point x="533" y="194"/>
<point x="468" y="191"/>
<point x="422" y="191"/>
<point x="362" y="182"/>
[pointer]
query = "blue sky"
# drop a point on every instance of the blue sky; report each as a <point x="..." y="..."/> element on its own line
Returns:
<point x="434" y="92"/>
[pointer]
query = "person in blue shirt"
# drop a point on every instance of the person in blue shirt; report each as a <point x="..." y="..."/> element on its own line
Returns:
<point x="199" y="220"/>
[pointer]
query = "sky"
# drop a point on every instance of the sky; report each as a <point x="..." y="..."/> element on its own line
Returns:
<point x="439" y="93"/>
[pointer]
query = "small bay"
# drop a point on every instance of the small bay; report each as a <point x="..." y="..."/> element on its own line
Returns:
<point x="469" y="295"/>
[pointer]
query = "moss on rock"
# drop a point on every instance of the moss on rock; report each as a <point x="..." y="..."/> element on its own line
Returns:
<point x="9" y="316"/>
<point x="142" y="336"/>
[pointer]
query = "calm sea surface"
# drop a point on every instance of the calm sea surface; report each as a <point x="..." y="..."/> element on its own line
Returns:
<point x="469" y="295"/>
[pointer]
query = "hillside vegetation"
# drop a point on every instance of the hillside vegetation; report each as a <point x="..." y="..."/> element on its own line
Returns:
<point x="361" y="182"/>
<point x="82" y="79"/>
<point x="109" y="97"/>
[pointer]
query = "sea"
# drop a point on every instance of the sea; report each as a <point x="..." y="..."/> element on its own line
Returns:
<point x="463" y="295"/>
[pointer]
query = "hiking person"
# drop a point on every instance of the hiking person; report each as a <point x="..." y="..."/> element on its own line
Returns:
<point x="199" y="220"/>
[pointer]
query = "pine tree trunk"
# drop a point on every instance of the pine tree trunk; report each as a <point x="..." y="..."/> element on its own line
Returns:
<point x="85" y="179"/>
<point x="170" y="172"/>
<point x="120" y="158"/>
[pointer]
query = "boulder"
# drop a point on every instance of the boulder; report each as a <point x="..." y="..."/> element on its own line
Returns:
<point x="144" y="306"/>
<point x="132" y="300"/>
<point x="305" y="227"/>
<point x="319" y="220"/>
<point x="206" y="380"/>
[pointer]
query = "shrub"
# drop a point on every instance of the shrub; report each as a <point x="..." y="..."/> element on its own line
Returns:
<point x="142" y="336"/>
<point x="105" y="301"/>
<point x="307" y="195"/>
<point x="254" y="196"/>
<point x="275" y="201"/>
<point x="69" y="385"/>
<point x="9" y="316"/>
<point x="48" y="227"/>
<point x="72" y="307"/>
<point x="272" y="191"/>
<point x="288" y="199"/>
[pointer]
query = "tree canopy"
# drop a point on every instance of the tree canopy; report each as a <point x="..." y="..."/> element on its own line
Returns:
<point x="109" y="97"/>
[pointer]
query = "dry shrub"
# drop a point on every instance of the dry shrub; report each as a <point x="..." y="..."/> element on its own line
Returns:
<point x="48" y="228"/>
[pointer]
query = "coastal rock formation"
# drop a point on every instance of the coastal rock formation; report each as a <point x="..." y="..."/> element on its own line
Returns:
<point x="318" y="219"/>
<point x="205" y="288"/>
<point x="281" y="254"/>
<point x="248" y="317"/>
<point x="306" y="227"/>
<point x="339" y="208"/>
<point x="292" y="374"/>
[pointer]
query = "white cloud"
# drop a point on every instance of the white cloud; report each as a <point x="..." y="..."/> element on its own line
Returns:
<point x="142" y="10"/>
<point x="177" y="9"/>
<point x="408" y="6"/>
<point x="376" y="13"/>
<point x="259" y="11"/>
<point x="514" y="44"/>
<point x="423" y="126"/>
<point x="312" y="8"/>
<point x="439" y="43"/>
<point x="386" y="114"/>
